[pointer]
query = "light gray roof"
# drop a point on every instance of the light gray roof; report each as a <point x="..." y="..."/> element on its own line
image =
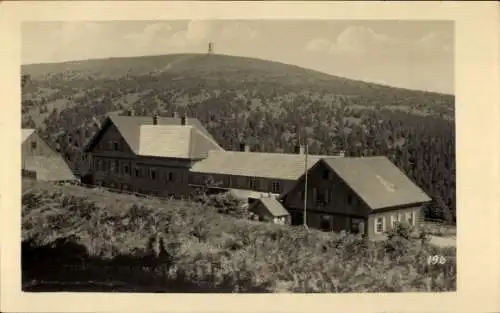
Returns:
<point x="255" y="164"/>
<point x="174" y="141"/>
<point x="25" y="133"/>
<point x="166" y="139"/>
<point x="52" y="168"/>
<point x="273" y="206"/>
<point x="377" y="181"/>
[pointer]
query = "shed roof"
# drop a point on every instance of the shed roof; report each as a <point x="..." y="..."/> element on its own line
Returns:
<point x="273" y="206"/>
<point x="376" y="180"/>
<point x="256" y="164"/>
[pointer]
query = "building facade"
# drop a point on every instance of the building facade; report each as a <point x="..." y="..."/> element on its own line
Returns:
<point x="39" y="161"/>
<point x="359" y="195"/>
<point x="147" y="155"/>
<point x="174" y="156"/>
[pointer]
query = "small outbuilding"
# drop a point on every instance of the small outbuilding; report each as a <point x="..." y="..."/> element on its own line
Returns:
<point x="40" y="162"/>
<point x="269" y="209"/>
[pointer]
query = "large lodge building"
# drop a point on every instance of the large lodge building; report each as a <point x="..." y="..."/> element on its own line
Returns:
<point x="171" y="156"/>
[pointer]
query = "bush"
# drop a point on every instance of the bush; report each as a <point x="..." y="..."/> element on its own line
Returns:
<point x="173" y="243"/>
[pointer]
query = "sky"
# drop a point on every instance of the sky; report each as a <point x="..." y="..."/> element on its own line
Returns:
<point x="408" y="54"/>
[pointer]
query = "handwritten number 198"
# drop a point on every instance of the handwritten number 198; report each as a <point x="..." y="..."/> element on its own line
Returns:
<point x="436" y="259"/>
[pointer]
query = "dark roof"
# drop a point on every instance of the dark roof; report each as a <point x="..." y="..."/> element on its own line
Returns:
<point x="144" y="138"/>
<point x="273" y="206"/>
<point x="377" y="181"/>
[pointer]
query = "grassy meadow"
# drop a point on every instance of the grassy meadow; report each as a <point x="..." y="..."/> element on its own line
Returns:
<point x="81" y="239"/>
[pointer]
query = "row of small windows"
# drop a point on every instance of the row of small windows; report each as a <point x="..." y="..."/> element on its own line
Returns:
<point x="114" y="167"/>
<point x="380" y="226"/>
<point x="242" y="182"/>
<point x="112" y="145"/>
<point x="320" y="196"/>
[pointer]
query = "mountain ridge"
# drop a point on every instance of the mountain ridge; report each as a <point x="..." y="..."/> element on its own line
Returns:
<point x="75" y="65"/>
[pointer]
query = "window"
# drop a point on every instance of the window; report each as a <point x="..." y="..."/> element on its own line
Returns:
<point x="326" y="196"/>
<point x="315" y="195"/>
<point x="153" y="174"/>
<point x="276" y="187"/>
<point x="170" y="177"/>
<point x="326" y="174"/>
<point x="411" y="217"/>
<point x="394" y="221"/>
<point x="104" y="165"/>
<point x="126" y="169"/>
<point x="379" y="225"/>
<point x="98" y="165"/>
<point x="349" y="199"/>
<point x="116" y="146"/>
<point x="33" y="145"/>
<point x="253" y="183"/>
<point x="114" y="168"/>
<point x="137" y="172"/>
<point x="302" y="194"/>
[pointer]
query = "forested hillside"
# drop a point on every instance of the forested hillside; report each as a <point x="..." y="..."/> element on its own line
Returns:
<point x="269" y="105"/>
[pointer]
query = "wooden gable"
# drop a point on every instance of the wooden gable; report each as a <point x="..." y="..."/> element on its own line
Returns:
<point x="109" y="139"/>
<point x="326" y="191"/>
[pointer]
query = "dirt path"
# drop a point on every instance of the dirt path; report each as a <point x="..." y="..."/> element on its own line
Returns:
<point x="443" y="241"/>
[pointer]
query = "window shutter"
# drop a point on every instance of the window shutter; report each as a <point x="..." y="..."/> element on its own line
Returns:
<point x="375" y="220"/>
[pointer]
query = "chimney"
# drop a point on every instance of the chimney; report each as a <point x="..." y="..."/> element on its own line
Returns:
<point x="155" y="119"/>
<point x="341" y="153"/>
<point x="183" y="120"/>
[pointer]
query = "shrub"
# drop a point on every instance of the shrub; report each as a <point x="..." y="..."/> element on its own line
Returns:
<point x="174" y="243"/>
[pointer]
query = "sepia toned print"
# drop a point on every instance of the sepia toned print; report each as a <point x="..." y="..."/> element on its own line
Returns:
<point x="238" y="156"/>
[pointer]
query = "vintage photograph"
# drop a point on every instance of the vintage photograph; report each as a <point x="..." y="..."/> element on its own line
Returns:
<point x="238" y="156"/>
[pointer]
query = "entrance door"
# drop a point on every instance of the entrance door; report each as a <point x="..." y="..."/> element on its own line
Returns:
<point x="358" y="226"/>
<point x="326" y="223"/>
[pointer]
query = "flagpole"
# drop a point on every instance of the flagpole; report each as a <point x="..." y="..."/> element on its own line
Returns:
<point x="305" y="186"/>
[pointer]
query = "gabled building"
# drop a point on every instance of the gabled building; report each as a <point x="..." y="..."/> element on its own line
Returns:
<point x="39" y="161"/>
<point x="250" y="175"/>
<point x="269" y="209"/>
<point x="357" y="194"/>
<point x="172" y="156"/>
<point x="149" y="155"/>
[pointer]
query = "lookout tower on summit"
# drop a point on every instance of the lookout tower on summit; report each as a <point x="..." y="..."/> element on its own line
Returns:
<point x="211" y="47"/>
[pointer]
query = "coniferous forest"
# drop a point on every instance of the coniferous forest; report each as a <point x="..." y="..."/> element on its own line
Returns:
<point x="271" y="106"/>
